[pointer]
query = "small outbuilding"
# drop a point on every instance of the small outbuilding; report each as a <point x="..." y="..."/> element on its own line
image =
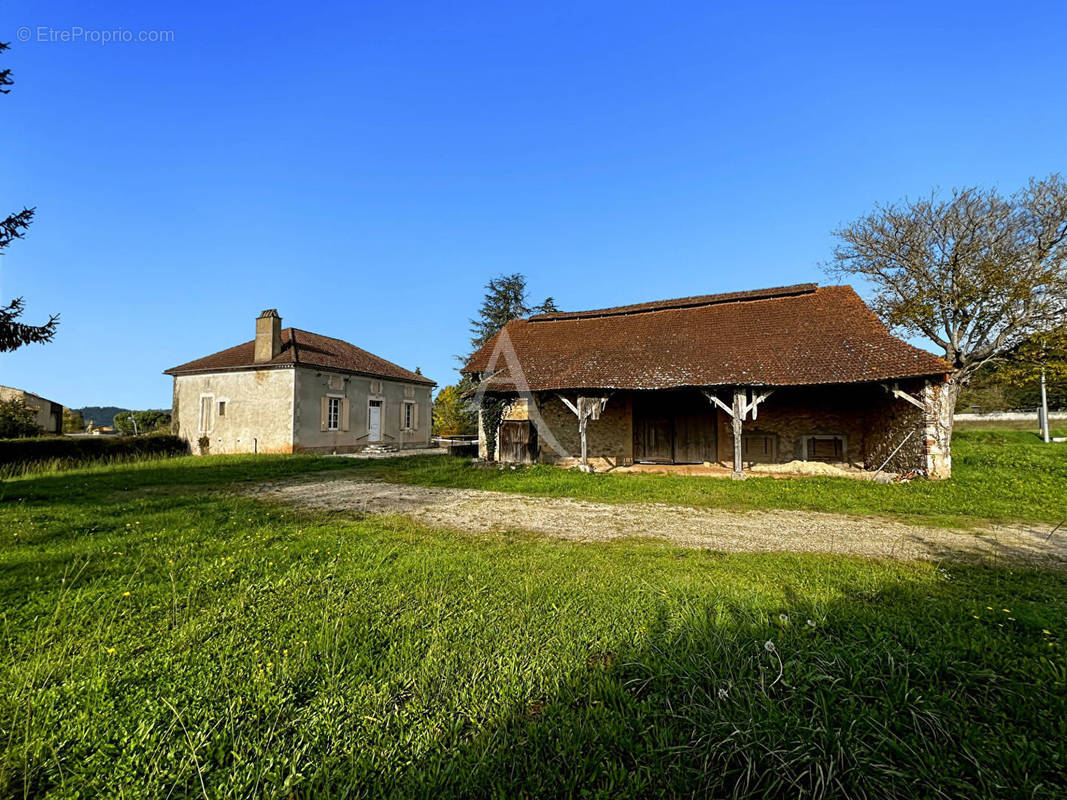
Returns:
<point x="48" y="414"/>
<point x="775" y="375"/>
<point x="292" y="391"/>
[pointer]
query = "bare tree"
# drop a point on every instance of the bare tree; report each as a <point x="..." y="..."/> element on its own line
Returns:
<point x="13" y="333"/>
<point x="977" y="273"/>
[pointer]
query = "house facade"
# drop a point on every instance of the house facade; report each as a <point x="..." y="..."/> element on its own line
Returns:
<point x="48" y="414"/>
<point x="800" y="372"/>
<point x="292" y="391"/>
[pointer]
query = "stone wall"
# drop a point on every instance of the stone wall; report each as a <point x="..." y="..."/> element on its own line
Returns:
<point x="791" y="414"/>
<point x="257" y="417"/>
<point x="280" y="411"/>
<point x="609" y="440"/>
<point x="312" y="384"/>
<point x="889" y="421"/>
<point x="873" y="423"/>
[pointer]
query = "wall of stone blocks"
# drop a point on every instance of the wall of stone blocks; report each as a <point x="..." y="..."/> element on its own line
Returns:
<point x="609" y="440"/>
<point x="258" y="414"/>
<point x="790" y="414"/>
<point x="873" y="422"/>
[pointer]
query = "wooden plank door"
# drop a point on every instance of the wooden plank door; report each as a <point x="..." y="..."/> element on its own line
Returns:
<point x="518" y="441"/>
<point x="653" y="439"/>
<point x="694" y="437"/>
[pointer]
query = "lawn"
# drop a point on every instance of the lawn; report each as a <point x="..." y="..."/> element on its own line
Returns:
<point x="163" y="636"/>
<point x="997" y="474"/>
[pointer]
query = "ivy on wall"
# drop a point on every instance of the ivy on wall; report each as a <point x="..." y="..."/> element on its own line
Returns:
<point x="492" y="414"/>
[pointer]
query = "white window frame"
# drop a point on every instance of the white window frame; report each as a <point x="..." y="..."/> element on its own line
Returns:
<point x="409" y="415"/>
<point x="334" y="408"/>
<point x="206" y="425"/>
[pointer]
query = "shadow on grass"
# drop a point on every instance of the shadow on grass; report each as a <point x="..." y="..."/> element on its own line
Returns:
<point x="205" y="471"/>
<point x="890" y="692"/>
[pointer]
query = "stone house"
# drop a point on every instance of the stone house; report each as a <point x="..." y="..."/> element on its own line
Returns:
<point x="791" y="373"/>
<point x="291" y="391"/>
<point x="49" y="414"/>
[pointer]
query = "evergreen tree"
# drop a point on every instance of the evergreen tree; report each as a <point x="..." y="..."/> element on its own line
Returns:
<point x="13" y="333"/>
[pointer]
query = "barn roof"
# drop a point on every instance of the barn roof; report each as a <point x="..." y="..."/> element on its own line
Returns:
<point x="302" y="348"/>
<point x="785" y="336"/>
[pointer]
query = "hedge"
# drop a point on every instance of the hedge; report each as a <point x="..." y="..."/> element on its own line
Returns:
<point x="77" y="449"/>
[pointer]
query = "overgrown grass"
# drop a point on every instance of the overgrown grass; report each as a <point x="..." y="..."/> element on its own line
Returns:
<point x="163" y="638"/>
<point x="998" y="475"/>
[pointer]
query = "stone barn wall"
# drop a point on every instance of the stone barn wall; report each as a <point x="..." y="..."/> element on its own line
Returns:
<point x="873" y="422"/>
<point x="609" y="440"/>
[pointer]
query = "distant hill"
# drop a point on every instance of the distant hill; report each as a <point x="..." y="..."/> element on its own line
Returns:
<point x="100" y="415"/>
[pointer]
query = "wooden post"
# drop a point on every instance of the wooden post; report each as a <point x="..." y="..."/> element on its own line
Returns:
<point x="581" y="430"/>
<point x="585" y="408"/>
<point x="738" y="416"/>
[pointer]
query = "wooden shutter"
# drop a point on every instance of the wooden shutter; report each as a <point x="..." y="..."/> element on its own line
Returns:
<point x="325" y="410"/>
<point x="344" y="414"/>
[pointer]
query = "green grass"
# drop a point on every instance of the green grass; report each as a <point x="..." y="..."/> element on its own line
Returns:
<point x="997" y="475"/>
<point x="161" y="636"/>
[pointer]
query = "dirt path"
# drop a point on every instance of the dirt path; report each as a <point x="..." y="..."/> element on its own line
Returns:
<point x="796" y="531"/>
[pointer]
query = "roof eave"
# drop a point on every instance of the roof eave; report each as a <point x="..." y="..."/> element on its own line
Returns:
<point x="177" y="372"/>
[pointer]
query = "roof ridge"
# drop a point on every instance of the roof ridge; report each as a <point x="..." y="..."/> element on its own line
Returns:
<point x="693" y="301"/>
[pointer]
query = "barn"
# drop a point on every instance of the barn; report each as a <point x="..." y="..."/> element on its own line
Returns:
<point x="774" y="375"/>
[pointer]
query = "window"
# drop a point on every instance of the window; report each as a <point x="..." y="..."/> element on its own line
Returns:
<point x="333" y="413"/>
<point x="410" y="418"/>
<point x="759" y="448"/>
<point x="831" y="448"/>
<point x="222" y="408"/>
<point x="207" y="403"/>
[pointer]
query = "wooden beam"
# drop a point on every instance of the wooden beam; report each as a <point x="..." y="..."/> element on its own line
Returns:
<point x="753" y="404"/>
<point x="569" y="404"/>
<point x="738" y="418"/>
<point x="716" y="401"/>
<point x="895" y="390"/>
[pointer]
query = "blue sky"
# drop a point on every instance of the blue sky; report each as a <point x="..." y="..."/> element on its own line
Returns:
<point x="365" y="167"/>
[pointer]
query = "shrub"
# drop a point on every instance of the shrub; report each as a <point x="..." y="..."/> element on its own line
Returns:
<point x="69" y="451"/>
<point x="17" y="419"/>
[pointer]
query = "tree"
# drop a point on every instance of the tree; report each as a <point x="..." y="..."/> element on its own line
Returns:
<point x="1038" y="363"/>
<point x="73" y="422"/>
<point x="1046" y="351"/>
<point x="452" y="414"/>
<point x="977" y="273"/>
<point x="17" y="420"/>
<point x="146" y="422"/>
<point x="505" y="299"/>
<point x="13" y="333"/>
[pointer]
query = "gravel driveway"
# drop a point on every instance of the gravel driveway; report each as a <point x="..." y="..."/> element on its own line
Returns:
<point x="750" y="531"/>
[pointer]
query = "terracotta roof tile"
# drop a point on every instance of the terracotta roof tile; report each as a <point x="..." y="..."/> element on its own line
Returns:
<point x="302" y="348"/>
<point x="793" y="335"/>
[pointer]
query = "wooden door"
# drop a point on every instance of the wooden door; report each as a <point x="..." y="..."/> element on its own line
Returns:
<point x="653" y="439"/>
<point x="518" y="441"/>
<point x="674" y="427"/>
<point x="694" y="436"/>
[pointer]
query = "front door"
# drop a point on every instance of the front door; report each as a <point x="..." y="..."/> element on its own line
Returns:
<point x="374" y="421"/>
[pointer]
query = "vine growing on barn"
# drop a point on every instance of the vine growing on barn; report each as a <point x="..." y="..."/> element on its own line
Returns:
<point x="492" y="415"/>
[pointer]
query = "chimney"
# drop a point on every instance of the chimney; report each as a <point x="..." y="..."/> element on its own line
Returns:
<point x="268" y="335"/>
